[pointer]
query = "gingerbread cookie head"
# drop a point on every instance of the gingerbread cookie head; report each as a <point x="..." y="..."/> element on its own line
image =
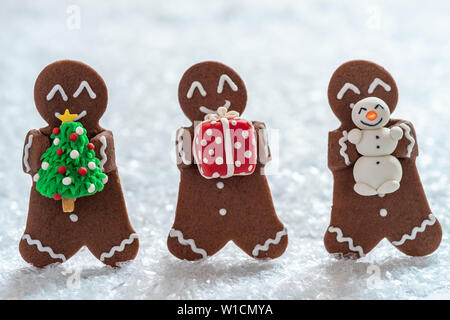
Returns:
<point x="73" y="86"/>
<point x="357" y="80"/>
<point x="206" y="86"/>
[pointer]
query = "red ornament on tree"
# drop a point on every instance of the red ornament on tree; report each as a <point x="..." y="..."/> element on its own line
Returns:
<point x="57" y="196"/>
<point x="73" y="137"/>
<point x="91" y="146"/>
<point x="59" y="152"/>
<point x="82" y="171"/>
<point x="62" y="170"/>
<point x="56" y="131"/>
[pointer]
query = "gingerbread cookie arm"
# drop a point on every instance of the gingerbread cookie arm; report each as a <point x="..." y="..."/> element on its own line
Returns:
<point x="407" y="145"/>
<point x="105" y="151"/>
<point x="35" y="145"/>
<point x="264" y="154"/>
<point x="341" y="153"/>
<point x="183" y="147"/>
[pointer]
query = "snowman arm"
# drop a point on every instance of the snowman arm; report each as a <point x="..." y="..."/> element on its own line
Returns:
<point x="36" y="143"/>
<point x="105" y="151"/>
<point x="407" y="145"/>
<point x="261" y="136"/>
<point x="183" y="148"/>
<point x="341" y="153"/>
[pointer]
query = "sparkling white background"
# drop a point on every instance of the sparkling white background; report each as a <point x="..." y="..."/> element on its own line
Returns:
<point x="285" y="51"/>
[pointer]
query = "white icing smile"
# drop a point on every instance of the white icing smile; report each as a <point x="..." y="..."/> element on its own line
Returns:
<point x="370" y="113"/>
<point x="209" y="111"/>
<point x="80" y="115"/>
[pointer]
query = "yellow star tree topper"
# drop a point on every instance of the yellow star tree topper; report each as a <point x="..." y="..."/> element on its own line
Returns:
<point x="67" y="116"/>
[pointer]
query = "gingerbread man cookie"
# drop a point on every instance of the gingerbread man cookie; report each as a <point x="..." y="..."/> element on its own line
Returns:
<point x="76" y="198"/>
<point x="223" y="192"/>
<point x="377" y="190"/>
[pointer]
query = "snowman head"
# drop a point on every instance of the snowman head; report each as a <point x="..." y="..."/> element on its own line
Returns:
<point x="353" y="82"/>
<point x="370" y="113"/>
<point x="206" y="86"/>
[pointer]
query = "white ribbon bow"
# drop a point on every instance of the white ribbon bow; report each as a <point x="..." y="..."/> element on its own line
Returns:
<point x="222" y="112"/>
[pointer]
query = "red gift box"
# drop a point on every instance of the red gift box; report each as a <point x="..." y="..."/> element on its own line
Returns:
<point x="225" y="146"/>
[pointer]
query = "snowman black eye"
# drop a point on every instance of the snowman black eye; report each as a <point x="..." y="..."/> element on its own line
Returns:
<point x="379" y="106"/>
<point x="362" y="108"/>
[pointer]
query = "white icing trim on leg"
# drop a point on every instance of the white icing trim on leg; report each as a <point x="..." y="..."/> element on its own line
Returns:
<point x="340" y="238"/>
<point x="268" y="242"/>
<point x="427" y="222"/>
<point x="120" y="248"/>
<point x="409" y="137"/>
<point x="26" y="153"/>
<point x="41" y="248"/>
<point x="344" y="147"/>
<point x="102" y="151"/>
<point x="178" y="234"/>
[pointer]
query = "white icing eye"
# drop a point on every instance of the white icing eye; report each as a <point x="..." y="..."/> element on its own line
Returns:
<point x="195" y="85"/>
<point x="57" y="88"/>
<point x="378" y="82"/>
<point x="84" y="85"/>
<point x="225" y="78"/>
<point x="345" y="87"/>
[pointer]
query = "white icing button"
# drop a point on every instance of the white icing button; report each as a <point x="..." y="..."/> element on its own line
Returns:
<point x="44" y="165"/>
<point x="36" y="177"/>
<point x="66" y="181"/>
<point x="237" y="145"/>
<point x="245" y="134"/>
<point x="237" y="163"/>
<point x="247" y="154"/>
<point x="91" y="165"/>
<point x="209" y="132"/>
<point x="383" y="212"/>
<point x="105" y="180"/>
<point x="73" y="217"/>
<point x="91" y="188"/>
<point x="220" y="185"/>
<point x="74" y="154"/>
<point x="56" y="141"/>
<point x="203" y="142"/>
<point x="218" y="140"/>
<point x="79" y="131"/>
<point x="223" y="212"/>
<point x="219" y="160"/>
<point x="216" y="175"/>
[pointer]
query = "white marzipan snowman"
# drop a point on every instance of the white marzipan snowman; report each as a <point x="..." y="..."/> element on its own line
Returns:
<point x="376" y="171"/>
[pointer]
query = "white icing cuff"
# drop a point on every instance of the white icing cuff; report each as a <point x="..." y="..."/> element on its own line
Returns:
<point x="190" y="242"/>
<point x="119" y="248"/>
<point x="427" y="222"/>
<point x="340" y="238"/>
<point x="268" y="242"/>
<point x="343" y="145"/>
<point x="41" y="248"/>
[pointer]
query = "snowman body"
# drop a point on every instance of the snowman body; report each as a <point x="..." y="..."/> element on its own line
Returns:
<point x="376" y="171"/>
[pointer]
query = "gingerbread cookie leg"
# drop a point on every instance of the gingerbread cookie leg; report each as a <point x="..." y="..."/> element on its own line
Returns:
<point x="51" y="236"/>
<point x="349" y="238"/>
<point x="418" y="239"/>
<point x="110" y="238"/>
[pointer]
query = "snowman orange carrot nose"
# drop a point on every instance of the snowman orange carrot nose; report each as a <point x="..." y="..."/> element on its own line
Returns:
<point x="371" y="115"/>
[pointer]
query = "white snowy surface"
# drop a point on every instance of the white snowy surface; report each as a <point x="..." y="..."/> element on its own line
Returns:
<point x="286" y="52"/>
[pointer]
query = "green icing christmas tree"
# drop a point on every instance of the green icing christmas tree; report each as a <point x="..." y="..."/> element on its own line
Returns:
<point x="69" y="168"/>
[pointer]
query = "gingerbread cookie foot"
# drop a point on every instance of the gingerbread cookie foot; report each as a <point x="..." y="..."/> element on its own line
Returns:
<point x="185" y="249"/>
<point x="120" y="251"/>
<point x="421" y="240"/>
<point x="273" y="247"/>
<point x="38" y="254"/>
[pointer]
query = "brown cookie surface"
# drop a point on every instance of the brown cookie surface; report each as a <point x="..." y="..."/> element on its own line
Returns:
<point x="99" y="221"/>
<point x="212" y="212"/>
<point x="359" y="222"/>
